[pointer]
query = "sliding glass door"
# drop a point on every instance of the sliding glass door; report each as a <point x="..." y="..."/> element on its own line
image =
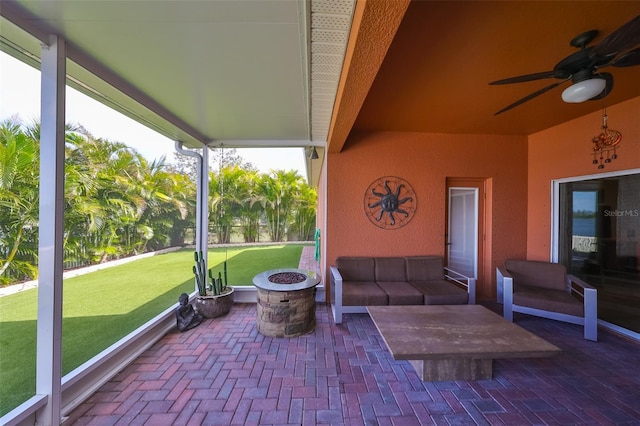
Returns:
<point x="599" y="241"/>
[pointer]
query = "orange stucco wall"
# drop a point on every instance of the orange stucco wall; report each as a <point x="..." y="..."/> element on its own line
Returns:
<point x="565" y="151"/>
<point x="425" y="161"/>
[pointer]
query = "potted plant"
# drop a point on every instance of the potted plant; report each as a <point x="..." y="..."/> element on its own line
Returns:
<point x="214" y="298"/>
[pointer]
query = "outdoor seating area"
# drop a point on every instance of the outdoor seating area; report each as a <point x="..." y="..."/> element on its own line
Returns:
<point x="225" y="372"/>
<point x="417" y="149"/>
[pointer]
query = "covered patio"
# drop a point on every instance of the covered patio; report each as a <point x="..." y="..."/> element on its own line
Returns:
<point x="366" y="89"/>
<point x="225" y="372"/>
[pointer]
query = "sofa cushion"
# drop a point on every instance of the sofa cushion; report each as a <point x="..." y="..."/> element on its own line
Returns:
<point x="363" y="293"/>
<point x="424" y="268"/>
<point x="356" y="268"/>
<point x="548" y="300"/>
<point x="537" y="274"/>
<point x="441" y="292"/>
<point x="401" y="293"/>
<point x="390" y="269"/>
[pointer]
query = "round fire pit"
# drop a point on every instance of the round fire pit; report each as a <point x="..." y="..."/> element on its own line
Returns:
<point x="287" y="278"/>
<point x="286" y="302"/>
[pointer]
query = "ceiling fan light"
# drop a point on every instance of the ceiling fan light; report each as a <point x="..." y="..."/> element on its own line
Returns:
<point x="583" y="90"/>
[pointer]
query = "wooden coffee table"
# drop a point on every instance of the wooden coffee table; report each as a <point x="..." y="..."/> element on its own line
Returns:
<point x="454" y="342"/>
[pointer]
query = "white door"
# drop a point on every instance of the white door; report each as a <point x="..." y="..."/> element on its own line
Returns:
<point x="462" y="242"/>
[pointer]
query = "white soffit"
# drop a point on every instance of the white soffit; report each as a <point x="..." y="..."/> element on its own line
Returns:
<point x="200" y="71"/>
<point x="330" y="27"/>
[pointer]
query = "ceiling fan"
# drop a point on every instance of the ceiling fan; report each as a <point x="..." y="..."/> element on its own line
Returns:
<point x="582" y="68"/>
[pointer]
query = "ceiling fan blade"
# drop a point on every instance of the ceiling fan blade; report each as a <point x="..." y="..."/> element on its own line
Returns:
<point x="608" y="77"/>
<point x="629" y="59"/>
<point x="531" y="96"/>
<point x="625" y="37"/>
<point x="531" y="77"/>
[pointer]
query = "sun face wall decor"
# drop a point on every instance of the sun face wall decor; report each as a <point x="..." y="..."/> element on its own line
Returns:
<point x="390" y="202"/>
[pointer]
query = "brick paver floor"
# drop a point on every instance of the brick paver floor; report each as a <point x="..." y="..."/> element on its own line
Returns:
<point x="225" y="372"/>
<point x="308" y="260"/>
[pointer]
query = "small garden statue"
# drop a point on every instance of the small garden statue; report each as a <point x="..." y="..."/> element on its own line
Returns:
<point x="186" y="317"/>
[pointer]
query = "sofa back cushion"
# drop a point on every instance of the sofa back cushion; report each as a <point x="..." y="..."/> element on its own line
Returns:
<point x="537" y="274"/>
<point x="356" y="268"/>
<point x="424" y="268"/>
<point x="390" y="269"/>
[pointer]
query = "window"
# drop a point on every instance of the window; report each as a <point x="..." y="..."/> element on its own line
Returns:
<point x="598" y="240"/>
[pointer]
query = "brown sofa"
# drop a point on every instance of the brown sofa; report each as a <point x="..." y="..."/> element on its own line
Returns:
<point x="358" y="282"/>
<point x="546" y="290"/>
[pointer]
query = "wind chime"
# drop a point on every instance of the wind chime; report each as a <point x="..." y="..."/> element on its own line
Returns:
<point x="605" y="144"/>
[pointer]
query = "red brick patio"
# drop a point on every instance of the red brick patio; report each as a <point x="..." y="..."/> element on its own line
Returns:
<point x="225" y="372"/>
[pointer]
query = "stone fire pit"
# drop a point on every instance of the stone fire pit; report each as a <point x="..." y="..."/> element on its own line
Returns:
<point x="286" y="302"/>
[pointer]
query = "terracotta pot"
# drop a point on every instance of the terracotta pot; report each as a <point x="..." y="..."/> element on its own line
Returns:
<point x="214" y="306"/>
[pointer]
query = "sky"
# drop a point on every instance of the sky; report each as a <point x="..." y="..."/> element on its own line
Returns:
<point x="20" y="95"/>
<point x="584" y="201"/>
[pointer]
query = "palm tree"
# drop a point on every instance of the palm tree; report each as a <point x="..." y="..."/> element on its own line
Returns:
<point x="249" y="201"/>
<point x="19" y="162"/>
<point x="98" y="209"/>
<point x="278" y="193"/>
<point x="225" y="203"/>
<point x="119" y="202"/>
<point x="305" y="212"/>
<point x="157" y="192"/>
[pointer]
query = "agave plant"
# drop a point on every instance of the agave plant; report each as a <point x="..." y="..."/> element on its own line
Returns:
<point x="213" y="285"/>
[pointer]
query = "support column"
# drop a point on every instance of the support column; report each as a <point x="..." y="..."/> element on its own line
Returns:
<point x="202" y="227"/>
<point x="51" y="229"/>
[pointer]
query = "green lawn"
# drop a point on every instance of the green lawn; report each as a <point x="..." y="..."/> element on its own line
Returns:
<point x="102" y="307"/>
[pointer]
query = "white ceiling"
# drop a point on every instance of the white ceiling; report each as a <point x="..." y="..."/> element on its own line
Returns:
<point x="238" y="73"/>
